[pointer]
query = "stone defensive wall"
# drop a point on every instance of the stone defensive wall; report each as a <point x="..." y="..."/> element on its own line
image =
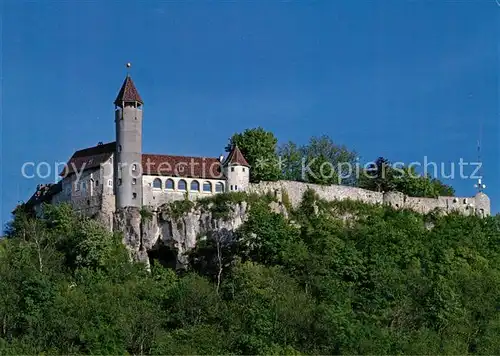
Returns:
<point x="479" y="204"/>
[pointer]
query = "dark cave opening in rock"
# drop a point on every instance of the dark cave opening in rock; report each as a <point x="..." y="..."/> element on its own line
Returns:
<point x="164" y="255"/>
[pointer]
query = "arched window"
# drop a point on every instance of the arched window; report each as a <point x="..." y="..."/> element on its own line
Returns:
<point x="195" y="186"/>
<point x="157" y="183"/>
<point x="169" y="184"/>
<point x="219" y="187"/>
<point x="182" y="185"/>
<point x="207" y="187"/>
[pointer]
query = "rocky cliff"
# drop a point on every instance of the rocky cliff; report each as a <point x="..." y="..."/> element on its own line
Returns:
<point x="146" y="232"/>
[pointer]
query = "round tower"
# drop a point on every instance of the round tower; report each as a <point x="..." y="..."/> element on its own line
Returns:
<point x="482" y="204"/>
<point x="237" y="171"/>
<point x="128" y="152"/>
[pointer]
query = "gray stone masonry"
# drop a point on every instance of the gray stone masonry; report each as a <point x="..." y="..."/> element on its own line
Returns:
<point x="479" y="204"/>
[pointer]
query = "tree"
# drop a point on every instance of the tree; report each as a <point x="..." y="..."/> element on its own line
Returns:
<point x="319" y="170"/>
<point x="259" y="149"/>
<point x="303" y="163"/>
<point x="379" y="176"/>
<point x="291" y="158"/>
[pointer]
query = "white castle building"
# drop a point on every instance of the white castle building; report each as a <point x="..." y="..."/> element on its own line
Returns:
<point x="118" y="174"/>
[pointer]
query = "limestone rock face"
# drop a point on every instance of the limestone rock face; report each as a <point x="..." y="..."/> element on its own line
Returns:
<point x="128" y="222"/>
<point x="143" y="234"/>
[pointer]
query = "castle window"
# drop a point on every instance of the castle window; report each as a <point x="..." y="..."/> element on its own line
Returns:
<point x="230" y="187"/>
<point x="134" y="167"/>
<point x="169" y="184"/>
<point x="110" y="183"/>
<point x="119" y="181"/>
<point x="219" y="187"/>
<point x="134" y="181"/>
<point x="119" y="148"/>
<point x="96" y="183"/>
<point x="157" y="183"/>
<point x="84" y="187"/>
<point x="235" y="187"/>
<point x="182" y="185"/>
<point x="207" y="187"/>
<point x="77" y="187"/>
<point x="195" y="186"/>
<point x="232" y="169"/>
<point x="134" y="195"/>
<point x="243" y="169"/>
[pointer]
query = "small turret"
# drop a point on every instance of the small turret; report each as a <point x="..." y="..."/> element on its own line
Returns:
<point x="482" y="203"/>
<point x="237" y="171"/>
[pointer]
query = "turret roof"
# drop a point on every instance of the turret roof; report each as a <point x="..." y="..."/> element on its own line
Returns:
<point x="128" y="92"/>
<point x="235" y="157"/>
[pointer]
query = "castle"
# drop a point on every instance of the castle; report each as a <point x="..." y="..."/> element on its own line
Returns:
<point x="109" y="177"/>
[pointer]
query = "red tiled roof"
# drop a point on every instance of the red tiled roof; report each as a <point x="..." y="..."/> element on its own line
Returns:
<point x="182" y="166"/>
<point x="236" y="157"/>
<point x="128" y="92"/>
<point x="89" y="158"/>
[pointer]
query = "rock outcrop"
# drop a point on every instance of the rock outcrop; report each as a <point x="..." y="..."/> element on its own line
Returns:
<point x="145" y="232"/>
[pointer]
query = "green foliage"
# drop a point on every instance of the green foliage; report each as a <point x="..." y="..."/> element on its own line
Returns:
<point x="220" y="205"/>
<point x="320" y="171"/>
<point x="383" y="177"/>
<point x="285" y="198"/>
<point x="179" y="207"/>
<point x="303" y="163"/>
<point x="343" y="278"/>
<point x="259" y="148"/>
<point x="146" y="214"/>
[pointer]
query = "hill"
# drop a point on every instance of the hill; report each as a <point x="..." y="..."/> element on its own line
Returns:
<point x="323" y="278"/>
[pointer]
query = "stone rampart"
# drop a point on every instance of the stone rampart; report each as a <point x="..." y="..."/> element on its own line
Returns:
<point x="479" y="204"/>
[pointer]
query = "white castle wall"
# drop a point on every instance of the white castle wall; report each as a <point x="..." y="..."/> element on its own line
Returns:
<point x="479" y="204"/>
<point x="296" y="190"/>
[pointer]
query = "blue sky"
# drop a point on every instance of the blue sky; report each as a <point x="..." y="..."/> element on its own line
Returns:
<point x="400" y="79"/>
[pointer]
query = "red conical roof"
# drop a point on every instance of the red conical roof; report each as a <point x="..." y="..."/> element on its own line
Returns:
<point x="128" y="92"/>
<point x="236" y="157"/>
